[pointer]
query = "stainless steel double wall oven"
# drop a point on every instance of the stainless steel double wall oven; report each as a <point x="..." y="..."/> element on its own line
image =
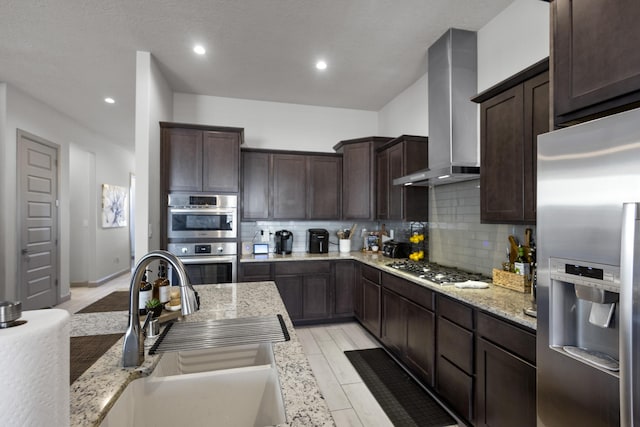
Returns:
<point x="202" y="230"/>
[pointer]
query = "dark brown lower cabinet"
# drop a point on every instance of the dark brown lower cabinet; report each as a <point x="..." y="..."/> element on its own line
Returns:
<point x="393" y="330"/>
<point x="255" y="272"/>
<point x="421" y="343"/>
<point x="506" y="374"/>
<point x="371" y="306"/>
<point x="456" y="387"/>
<point x="344" y="285"/>
<point x="305" y="288"/>
<point x="455" y="362"/>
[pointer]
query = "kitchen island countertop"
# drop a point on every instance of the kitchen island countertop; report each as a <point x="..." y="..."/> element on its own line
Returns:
<point x="95" y="391"/>
<point x="496" y="300"/>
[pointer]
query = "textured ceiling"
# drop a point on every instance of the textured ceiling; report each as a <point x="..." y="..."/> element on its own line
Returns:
<point x="71" y="54"/>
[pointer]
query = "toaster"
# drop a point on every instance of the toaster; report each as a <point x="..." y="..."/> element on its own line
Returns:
<point x="393" y="249"/>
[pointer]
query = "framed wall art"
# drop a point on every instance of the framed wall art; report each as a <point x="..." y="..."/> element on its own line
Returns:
<point x="114" y="206"/>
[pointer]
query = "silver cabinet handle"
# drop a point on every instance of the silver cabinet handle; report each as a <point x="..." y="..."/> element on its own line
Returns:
<point x="629" y="310"/>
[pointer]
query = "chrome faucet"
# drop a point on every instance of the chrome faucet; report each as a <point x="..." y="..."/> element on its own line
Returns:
<point x="133" y="347"/>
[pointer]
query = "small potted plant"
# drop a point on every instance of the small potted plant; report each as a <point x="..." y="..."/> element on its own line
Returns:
<point x="155" y="306"/>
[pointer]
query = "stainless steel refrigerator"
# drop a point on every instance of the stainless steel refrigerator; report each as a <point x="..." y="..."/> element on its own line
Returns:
<point x="588" y="294"/>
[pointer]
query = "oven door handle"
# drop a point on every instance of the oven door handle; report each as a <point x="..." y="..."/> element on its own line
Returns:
<point x="216" y="259"/>
<point x="202" y="211"/>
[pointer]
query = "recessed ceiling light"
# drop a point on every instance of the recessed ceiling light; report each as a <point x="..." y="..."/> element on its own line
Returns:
<point x="199" y="49"/>
<point x="321" y="65"/>
<point x="109" y="100"/>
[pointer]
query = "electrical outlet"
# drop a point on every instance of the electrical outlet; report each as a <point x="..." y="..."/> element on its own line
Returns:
<point x="264" y="236"/>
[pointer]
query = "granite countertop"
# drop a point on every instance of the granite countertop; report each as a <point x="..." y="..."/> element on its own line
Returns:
<point x="500" y="301"/>
<point x="93" y="393"/>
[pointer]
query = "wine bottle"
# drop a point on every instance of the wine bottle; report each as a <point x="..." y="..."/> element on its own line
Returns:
<point x="521" y="265"/>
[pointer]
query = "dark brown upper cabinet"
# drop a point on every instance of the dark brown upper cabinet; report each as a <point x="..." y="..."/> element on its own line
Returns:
<point x="595" y="58"/>
<point x="399" y="157"/>
<point x="200" y="158"/>
<point x="512" y="115"/>
<point x="359" y="176"/>
<point x="290" y="185"/>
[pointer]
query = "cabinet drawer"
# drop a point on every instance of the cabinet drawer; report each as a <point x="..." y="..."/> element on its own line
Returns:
<point x="456" y="312"/>
<point x="411" y="291"/>
<point x="456" y="387"/>
<point x="511" y="338"/>
<point x="261" y="269"/>
<point x="456" y="344"/>
<point x="370" y="273"/>
<point x="302" y="267"/>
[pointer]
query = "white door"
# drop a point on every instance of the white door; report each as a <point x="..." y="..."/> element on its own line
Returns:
<point x="38" y="200"/>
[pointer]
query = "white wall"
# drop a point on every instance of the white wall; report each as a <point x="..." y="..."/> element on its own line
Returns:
<point x="277" y="125"/>
<point x="113" y="165"/>
<point x="407" y="113"/>
<point x="154" y="101"/>
<point x="515" y="39"/>
<point x="5" y="182"/>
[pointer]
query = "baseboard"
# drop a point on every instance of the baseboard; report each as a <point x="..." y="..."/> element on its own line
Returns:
<point x="79" y="284"/>
<point x="108" y="278"/>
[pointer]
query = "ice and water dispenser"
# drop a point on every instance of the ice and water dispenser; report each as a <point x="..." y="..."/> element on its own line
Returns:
<point x="583" y="312"/>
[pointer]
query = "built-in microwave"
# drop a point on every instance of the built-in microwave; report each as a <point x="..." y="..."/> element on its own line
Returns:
<point x="202" y="216"/>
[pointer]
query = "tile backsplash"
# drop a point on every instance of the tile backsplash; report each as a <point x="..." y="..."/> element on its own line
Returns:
<point x="250" y="231"/>
<point x="456" y="236"/>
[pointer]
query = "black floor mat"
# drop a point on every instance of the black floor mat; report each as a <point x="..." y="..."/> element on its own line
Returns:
<point x="401" y="398"/>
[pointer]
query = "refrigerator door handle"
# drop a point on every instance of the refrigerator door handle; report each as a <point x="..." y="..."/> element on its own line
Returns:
<point x="629" y="301"/>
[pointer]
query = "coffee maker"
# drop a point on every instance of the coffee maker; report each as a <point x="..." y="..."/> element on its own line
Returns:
<point x="284" y="242"/>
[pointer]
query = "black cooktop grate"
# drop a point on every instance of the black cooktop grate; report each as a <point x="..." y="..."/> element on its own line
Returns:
<point x="436" y="273"/>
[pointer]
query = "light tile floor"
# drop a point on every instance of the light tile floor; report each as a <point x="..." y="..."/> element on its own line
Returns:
<point x="349" y="400"/>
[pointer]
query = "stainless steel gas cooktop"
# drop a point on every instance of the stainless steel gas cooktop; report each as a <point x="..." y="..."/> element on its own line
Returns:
<point x="436" y="273"/>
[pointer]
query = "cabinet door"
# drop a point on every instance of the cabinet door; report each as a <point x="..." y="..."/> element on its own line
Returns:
<point x="595" y="57"/>
<point x="289" y="186"/>
<point x="396" y="170"/>
<point x="221" y="161"/>
<point x="415" y="198"/>
<point x="255" y="185"/>
<point x="371" y="307"/>
<point x="358" y="296"/>
<point x="382" y="185"/>
<point x="184" y="159"/>
<point x="290" y="288"/>
<point x="345" y="278"/>
<point x="536" y="122"/>
<point x="456" y="387"/>
<point x="506" y="391"/>
<point x="393" y="328"/>
<point x="358" y="181"/>
<point x="325" y="187"/>
<point x="420" y="348"/>
<point x="315" y="297"/>
<point x="501" y="145"/>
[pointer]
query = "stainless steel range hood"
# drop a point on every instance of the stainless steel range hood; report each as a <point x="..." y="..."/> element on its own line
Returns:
<point x="454" y="151"/>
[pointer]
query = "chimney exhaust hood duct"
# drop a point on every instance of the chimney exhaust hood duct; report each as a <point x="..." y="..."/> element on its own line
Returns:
<point x="454" y="151"/>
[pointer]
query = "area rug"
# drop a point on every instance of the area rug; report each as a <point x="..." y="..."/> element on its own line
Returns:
<point x="86" y="350"/>
<point x="115" y="301"/>
<point x="404" y="401"/>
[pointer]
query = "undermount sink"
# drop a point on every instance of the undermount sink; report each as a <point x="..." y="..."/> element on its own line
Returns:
<point x="214" y="359"/>
<point x="227" y="386"/>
